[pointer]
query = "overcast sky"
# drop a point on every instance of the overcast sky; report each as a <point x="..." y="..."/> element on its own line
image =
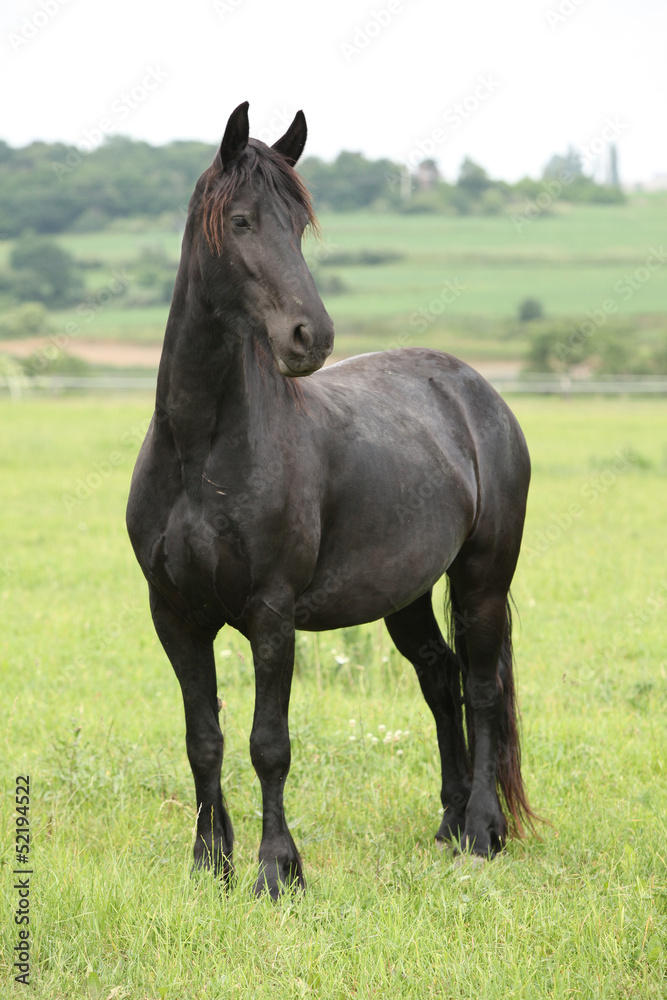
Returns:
<point x="508" y="84"/>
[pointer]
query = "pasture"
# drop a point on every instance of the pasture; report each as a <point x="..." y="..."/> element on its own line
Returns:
<point x="94" y="715"/>
<point x="454" y="279"/>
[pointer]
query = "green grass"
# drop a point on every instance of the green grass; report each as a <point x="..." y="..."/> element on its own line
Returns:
<point x="570" y="261"/>
<point x="93" y="713"/>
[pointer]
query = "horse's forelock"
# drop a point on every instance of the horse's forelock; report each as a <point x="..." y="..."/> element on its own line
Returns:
<point x="257" y="160"/>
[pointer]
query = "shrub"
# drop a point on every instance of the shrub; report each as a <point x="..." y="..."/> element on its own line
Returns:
<point x="27" y="320"/>
<point x="530" y="309"/>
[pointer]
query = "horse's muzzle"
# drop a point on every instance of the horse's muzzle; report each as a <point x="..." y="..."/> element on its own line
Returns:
<point x="306" y="350"/>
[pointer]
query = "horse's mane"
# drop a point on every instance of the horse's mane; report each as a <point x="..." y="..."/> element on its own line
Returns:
<point x="257" y="161"/>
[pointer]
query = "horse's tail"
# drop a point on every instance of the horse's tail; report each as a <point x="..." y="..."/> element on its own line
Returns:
<point x="509" y="781"/>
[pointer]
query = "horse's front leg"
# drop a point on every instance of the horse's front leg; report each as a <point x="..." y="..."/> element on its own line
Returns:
<point x="272" y="638"/>
<point x="191" y="653"/>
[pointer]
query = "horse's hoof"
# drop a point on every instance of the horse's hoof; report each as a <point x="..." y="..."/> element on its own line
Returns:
<point x="278" y="884"/>
<point x="451" y="829"/>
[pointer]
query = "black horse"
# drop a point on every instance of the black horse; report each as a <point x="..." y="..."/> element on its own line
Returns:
<point x="272" y="503"/>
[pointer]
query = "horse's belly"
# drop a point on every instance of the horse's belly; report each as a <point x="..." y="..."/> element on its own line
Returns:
<point x="365" y="582"/>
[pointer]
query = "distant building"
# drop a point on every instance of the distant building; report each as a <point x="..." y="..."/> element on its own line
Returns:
<point x="427" y="175"/>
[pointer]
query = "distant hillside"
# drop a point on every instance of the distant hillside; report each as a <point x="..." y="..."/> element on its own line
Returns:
<point x="55" y="188"/>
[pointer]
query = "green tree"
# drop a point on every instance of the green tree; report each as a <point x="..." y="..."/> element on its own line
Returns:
<point x="570" y="164"/>
<point x="44" y="272"/>
<point x="350" y="182"/>
<point x="473" y="179"/>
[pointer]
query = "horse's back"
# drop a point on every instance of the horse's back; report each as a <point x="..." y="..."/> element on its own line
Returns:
<point x="430" y="392"/>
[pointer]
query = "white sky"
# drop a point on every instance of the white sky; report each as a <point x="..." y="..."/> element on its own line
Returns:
<point x="551" y="78"/>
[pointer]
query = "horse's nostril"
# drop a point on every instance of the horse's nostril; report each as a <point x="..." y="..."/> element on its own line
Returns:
<point x="303" y="339"/>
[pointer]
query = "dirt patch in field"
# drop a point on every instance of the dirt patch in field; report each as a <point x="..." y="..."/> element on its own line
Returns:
<point x="123" y="355"/>
<point x="97" y="352"/>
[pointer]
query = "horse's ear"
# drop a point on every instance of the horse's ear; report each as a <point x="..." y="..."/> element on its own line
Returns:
<point x="235" y="139"/>
<point x="292" y="143"/>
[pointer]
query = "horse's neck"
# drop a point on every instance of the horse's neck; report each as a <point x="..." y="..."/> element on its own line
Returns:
<point x="214" y="384"/>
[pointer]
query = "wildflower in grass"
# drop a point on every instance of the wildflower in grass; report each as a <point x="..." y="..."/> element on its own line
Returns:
<point x="382" y="727"/>
<point x="341" y="660"/>
<point x="353" y="722"/>
<point x="225" y="652"/>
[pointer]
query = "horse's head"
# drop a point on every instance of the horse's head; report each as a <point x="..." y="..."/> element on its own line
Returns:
<point x="248" y="216"/>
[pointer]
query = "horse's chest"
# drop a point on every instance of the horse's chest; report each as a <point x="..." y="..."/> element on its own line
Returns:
<point x="199" y="562"/>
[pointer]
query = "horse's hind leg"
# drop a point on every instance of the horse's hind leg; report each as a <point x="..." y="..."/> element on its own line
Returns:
<point x="480" y="585"/>
<point x="417" y="637"/>
<point x="191" y="654"/>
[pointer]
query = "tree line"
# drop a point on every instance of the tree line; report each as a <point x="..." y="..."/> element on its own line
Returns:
<point x="54" y="188"/>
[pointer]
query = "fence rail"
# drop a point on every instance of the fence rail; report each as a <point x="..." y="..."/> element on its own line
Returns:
<point x="545" y="384"/>
<point x="565" y="385"/>
<point x="22" y="385"/>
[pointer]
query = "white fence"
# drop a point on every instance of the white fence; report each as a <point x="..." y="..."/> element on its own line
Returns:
<point x="566" y="385"/>
<point x="23" y="385"/>
<point x="546" y="384"/>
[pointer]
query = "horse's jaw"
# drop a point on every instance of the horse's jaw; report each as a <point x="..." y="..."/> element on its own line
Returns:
<point x="285" y="369"/>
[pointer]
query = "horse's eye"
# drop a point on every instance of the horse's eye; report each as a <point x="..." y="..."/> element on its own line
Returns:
<point x="240" y="222"/>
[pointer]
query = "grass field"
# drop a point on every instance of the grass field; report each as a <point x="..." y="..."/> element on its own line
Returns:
<point x="93" y="714"/>
<point x="572" y="260"/>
